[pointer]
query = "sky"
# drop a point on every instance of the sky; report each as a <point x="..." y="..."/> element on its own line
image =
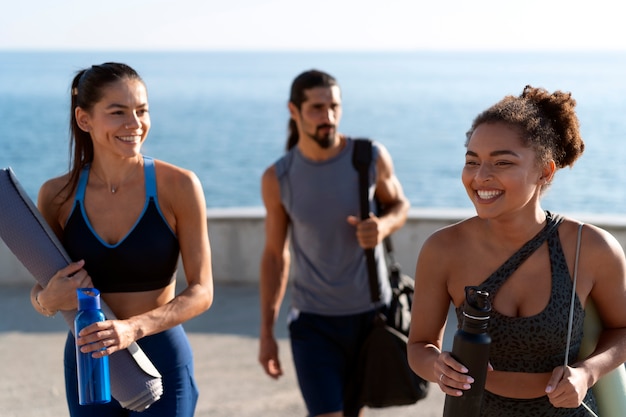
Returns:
<point x="324" y="25"/>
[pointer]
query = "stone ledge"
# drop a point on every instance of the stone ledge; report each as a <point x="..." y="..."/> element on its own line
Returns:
<point x="237" y="239"/>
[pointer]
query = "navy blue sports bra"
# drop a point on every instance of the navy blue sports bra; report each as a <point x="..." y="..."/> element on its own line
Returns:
<point x="143" y="260"/>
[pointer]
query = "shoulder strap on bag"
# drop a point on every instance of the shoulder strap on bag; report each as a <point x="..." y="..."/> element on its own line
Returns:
<point x="570" y="321"/>
<point x="361" y="159"/>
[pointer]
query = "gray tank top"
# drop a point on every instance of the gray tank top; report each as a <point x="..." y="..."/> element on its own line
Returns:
<point x="329" y="272"/>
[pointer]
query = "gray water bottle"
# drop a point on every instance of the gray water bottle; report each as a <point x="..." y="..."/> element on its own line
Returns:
<point x="471" y="348"/>
<point x="94" y="386"/>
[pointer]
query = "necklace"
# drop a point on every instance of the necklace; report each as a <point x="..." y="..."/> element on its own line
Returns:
<point x="114" y="188"/>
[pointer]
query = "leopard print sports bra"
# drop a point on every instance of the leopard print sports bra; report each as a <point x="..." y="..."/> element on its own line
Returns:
<point x="536" y="343"/>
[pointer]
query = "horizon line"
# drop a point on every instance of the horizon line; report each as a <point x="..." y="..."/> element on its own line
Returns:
<point x="316" y="50"/>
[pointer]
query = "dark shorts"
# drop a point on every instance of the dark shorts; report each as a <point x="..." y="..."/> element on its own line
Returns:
<point x="325" y="351"/>
<point x="170" y="353"/>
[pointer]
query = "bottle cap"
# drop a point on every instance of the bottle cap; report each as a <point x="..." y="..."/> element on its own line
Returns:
<point x="477" y="305"/>
<point x="88" y="299"/>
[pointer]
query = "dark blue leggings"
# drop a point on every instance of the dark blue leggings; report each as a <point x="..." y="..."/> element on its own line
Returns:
<point x="170" y="353"/>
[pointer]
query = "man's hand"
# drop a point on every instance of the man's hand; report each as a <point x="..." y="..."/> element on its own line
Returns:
<point x="368" y="231"/>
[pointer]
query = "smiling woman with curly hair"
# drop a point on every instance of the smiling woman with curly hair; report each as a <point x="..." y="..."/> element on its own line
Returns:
<point x="514" y="149"/>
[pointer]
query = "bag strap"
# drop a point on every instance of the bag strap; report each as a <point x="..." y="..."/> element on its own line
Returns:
<point x="571" y="308"/>
<point x="361" y="159"/>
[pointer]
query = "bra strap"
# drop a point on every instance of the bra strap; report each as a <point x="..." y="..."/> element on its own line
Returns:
<point x="150" y="177"/>
<point x="498" y="278"/>
<point x="149" y="174"/>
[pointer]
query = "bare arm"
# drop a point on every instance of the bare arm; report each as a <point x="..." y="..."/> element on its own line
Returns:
<point x="431" y="300"/>
<point x="601" y="259"/>
<point x="394" y="204"/>
<point x="390" y="194"/>
<point x="189" y="208"/>
<point x="274" y="271"/>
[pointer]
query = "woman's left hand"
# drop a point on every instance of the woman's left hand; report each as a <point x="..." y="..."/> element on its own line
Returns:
<point x="567" y="387"/>
<point x="106" y="337"/>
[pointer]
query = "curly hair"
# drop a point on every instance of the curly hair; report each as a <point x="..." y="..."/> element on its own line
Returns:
<point x="547" y="122"/>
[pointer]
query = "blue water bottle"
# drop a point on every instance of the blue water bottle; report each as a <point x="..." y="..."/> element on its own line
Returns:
<point x="94" y="385"/>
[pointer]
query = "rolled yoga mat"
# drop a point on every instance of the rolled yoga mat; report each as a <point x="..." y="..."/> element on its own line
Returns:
<point x="135" y="382"/>
<point x="610" y="390"/>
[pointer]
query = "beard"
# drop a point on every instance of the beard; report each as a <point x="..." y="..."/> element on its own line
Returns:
<point x="324" y="139"/>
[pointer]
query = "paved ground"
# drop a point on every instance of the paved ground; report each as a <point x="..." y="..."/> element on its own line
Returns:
<point x="224" y="341"/>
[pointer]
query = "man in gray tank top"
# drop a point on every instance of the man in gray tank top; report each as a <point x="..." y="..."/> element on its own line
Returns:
<point x="311" y="197"/>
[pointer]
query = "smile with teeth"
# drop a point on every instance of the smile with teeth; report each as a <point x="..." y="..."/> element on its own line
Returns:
<point x="129" y="139"/>
<point x="488" y="194"/>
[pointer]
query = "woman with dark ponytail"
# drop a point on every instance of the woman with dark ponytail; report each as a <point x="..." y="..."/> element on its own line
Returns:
<point x="540" y="269"/>
<point x="124" y="219"/>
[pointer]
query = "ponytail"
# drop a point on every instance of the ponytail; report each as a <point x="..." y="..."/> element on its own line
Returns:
<point x="292" y="139"/>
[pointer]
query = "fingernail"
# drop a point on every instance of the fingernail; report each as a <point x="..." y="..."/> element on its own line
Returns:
<point x="549" y="388"/>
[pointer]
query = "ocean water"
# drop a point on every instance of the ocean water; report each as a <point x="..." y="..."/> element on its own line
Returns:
<point x="224" y="115"/>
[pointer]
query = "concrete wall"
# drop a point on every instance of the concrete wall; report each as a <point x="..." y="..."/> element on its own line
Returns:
<point x="237" y="238"/>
